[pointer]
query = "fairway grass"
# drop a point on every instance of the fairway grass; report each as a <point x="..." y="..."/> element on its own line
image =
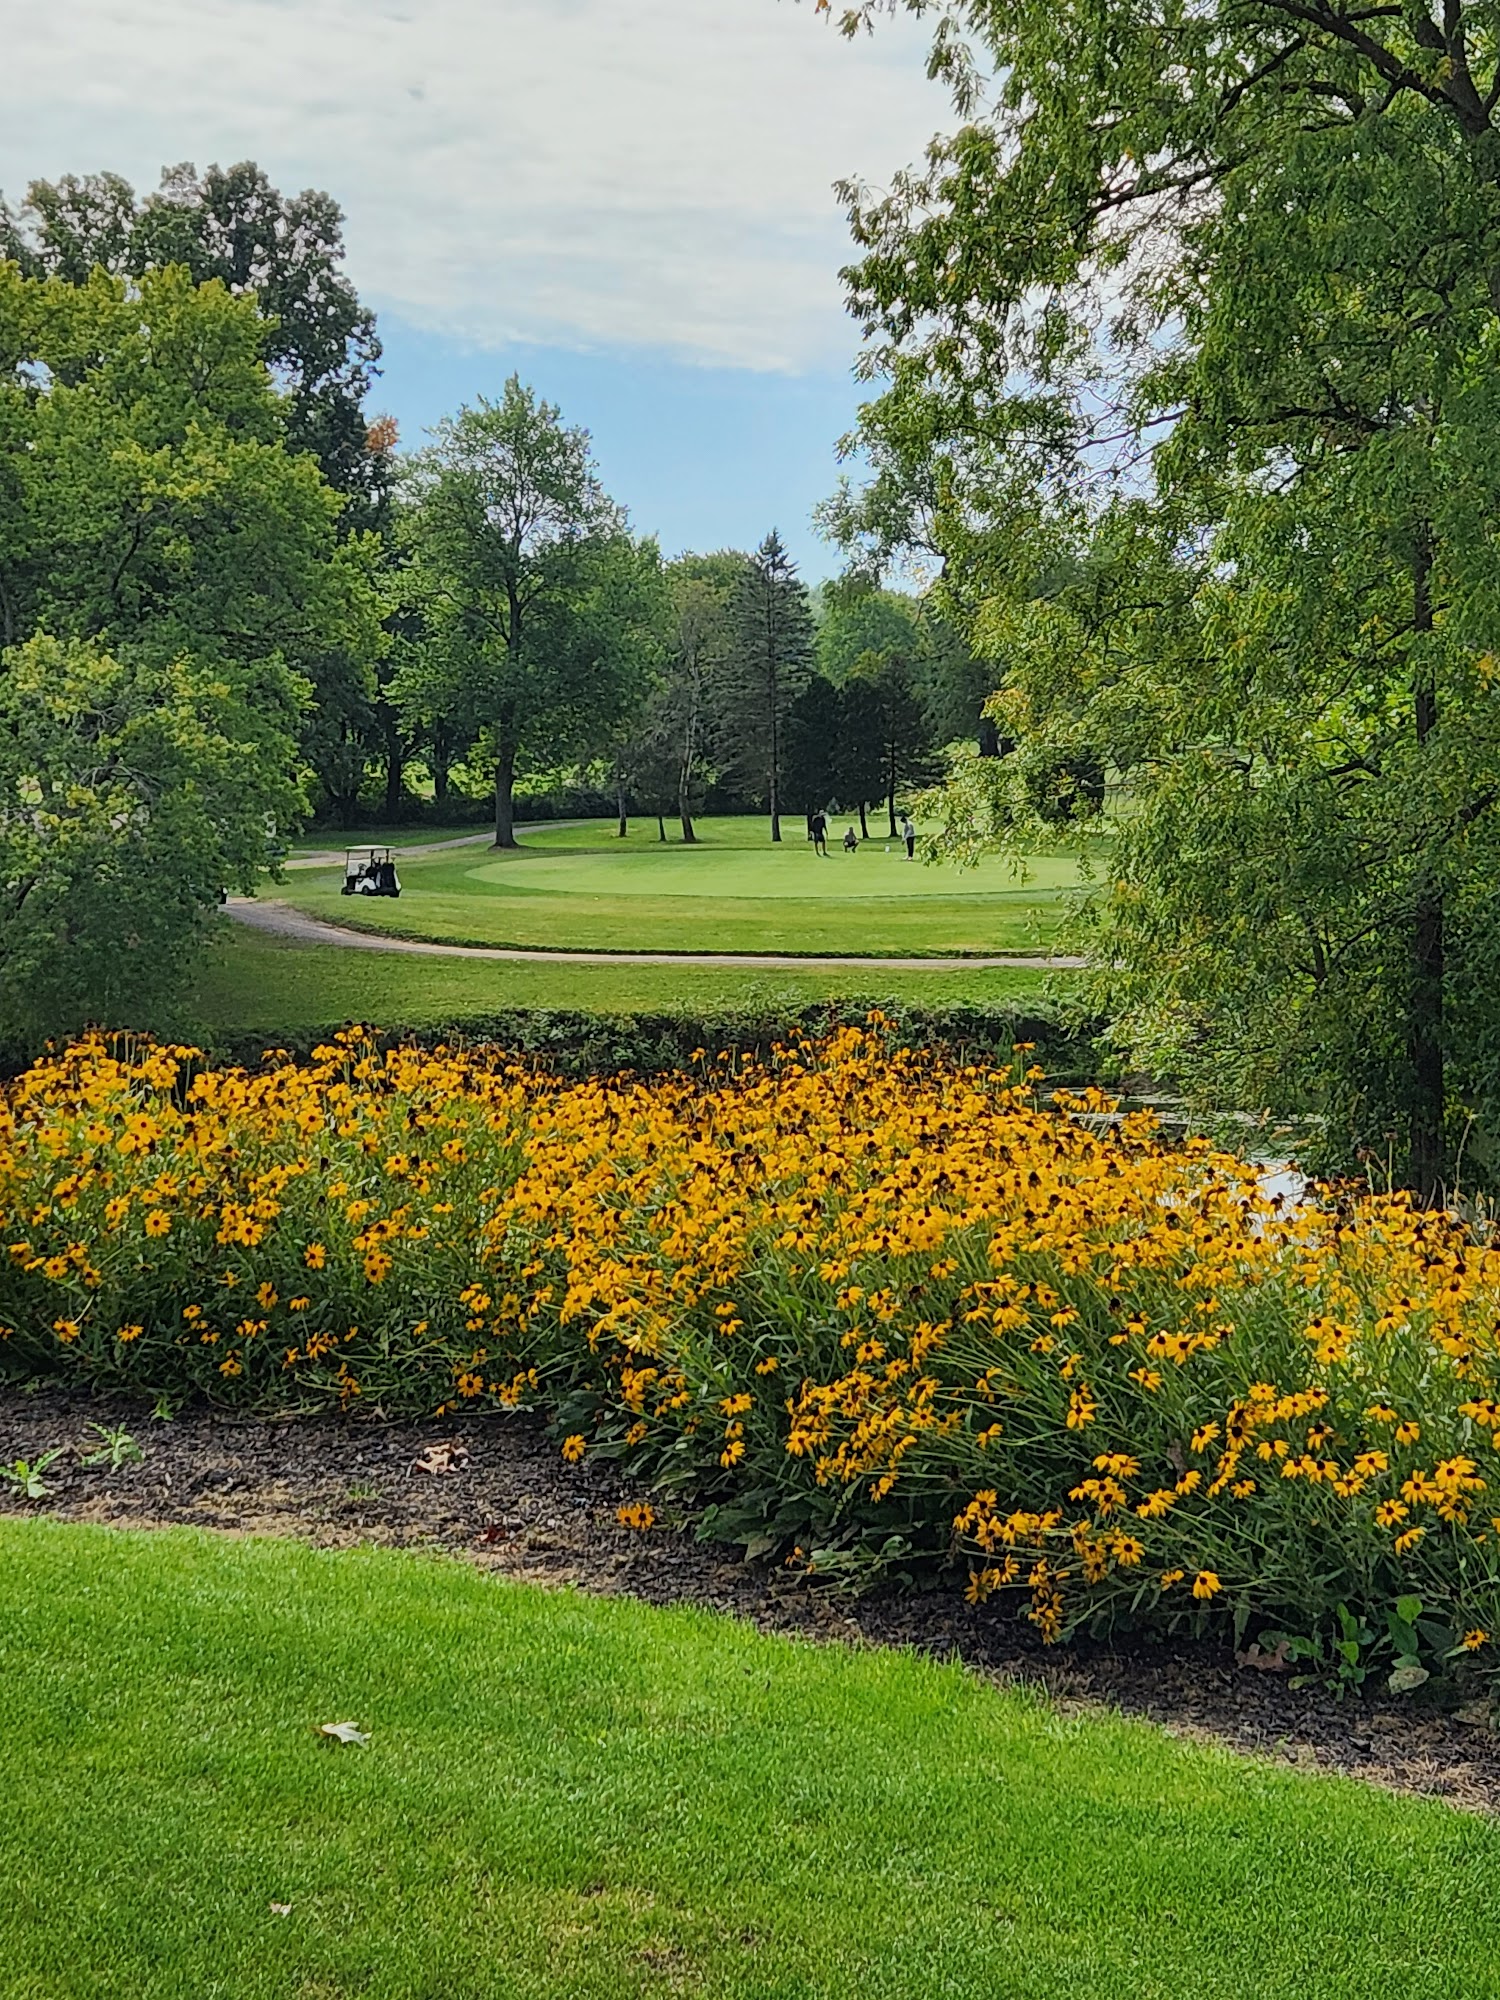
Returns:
<point x="254" y="983"/>
<point x="573" y="1798"/>
<point x="583" y="888"/>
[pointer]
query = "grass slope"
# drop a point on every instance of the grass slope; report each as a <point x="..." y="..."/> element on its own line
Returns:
<point x="582" y="887"/>
<point x="255" y="983"/>
<point x="580" y="1799"/>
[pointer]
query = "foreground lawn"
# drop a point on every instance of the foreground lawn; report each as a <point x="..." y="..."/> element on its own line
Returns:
<point x="258" y="983"/>
<point x="583" y="888"/>
<point x="579" y="1799"/>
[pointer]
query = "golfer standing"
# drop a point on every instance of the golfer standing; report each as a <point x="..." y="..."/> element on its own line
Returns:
<point x="909" y="835"/>
<point x="817" y="826"/>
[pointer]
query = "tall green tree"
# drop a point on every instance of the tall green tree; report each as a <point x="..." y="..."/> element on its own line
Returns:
<point x="169" y="570"/>
<point x="1268" y="272"/>
<point x="858" y="620"/>
<point x="230" y="223"/>
<point x="700" y="651"/>
<point x="134" y="792"/>
<point x="772" y="660"/>
<point x="153" y="502"/>
<point x="543" y="613"/>
<point x="893" y="723"/>
<point x="812" y="764"/>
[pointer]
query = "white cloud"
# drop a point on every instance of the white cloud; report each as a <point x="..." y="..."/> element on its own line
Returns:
<point x="574" y="172"/>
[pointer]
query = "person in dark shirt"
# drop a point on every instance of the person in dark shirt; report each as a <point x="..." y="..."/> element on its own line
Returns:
<point x="817" y="826"/>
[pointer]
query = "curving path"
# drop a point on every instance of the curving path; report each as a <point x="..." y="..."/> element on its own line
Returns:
<point x="281" y="920"/>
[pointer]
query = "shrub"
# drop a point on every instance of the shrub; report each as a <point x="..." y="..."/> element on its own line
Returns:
<point x="869" y="1306"/>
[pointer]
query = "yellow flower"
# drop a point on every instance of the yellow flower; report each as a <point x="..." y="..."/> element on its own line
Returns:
<point x="1206" y="1584"/>
<point x="315" y="1256"/>
<point x="1081" y="1410"/>
<point x="1472" y="1641"/>
<point x="573" y="1448"/>
<point x="158" y="1223"/>
<point x="1408" y="1433"/>
<point x="129" y="1333"/>
<point x="1171" y="1576"/>
<point x="638" y="1514"/>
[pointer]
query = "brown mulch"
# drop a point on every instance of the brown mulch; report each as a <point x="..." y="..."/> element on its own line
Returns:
<point x="494" y="1491"/>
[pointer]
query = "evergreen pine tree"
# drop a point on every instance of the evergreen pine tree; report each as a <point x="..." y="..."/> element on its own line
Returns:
<point x="773" y="658"/>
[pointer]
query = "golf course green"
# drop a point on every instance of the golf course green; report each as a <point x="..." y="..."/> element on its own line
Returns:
<point x="583" y="888"/>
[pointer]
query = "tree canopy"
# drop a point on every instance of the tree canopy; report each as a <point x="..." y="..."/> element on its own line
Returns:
<point x="543" y="611"/>
<point x="230" y="223"/>
<point x="169" y="570"/>
<point x="1187" y="339"/>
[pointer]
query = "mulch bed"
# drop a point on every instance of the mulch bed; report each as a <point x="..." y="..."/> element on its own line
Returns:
<point x="499" y="1496"/>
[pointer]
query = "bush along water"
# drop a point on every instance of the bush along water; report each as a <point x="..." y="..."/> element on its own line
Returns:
<point x="866" y="1306"/>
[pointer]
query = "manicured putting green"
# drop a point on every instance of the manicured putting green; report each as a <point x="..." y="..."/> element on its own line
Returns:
<point x="583" y="888"/>
<point x="566" y="1798"/>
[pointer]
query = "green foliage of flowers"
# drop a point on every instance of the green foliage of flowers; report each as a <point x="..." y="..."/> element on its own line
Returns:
<point x="871" y="1307"/>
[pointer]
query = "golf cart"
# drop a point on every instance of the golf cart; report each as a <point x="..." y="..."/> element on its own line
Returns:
<point x="370" y="871"/>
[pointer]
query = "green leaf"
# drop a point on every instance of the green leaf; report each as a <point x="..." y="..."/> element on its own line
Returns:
<point x="1404" y="1678"/>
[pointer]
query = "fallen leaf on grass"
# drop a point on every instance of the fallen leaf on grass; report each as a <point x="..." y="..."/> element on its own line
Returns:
<point x="440" y="1458"/>
<point x="281" y="1909"/>
<point x="344" y="1732"/>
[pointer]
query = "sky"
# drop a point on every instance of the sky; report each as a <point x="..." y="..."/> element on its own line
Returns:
<point x="628" y="201"/>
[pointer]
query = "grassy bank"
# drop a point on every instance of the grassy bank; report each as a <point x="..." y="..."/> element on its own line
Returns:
<point x="574" y="1799"/>
<point x="253" y="983"/>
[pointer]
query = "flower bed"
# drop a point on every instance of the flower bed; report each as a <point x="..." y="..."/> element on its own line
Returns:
<point x="873" y="1308"/>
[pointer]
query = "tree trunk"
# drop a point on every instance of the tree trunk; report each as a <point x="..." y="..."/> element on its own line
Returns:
<point x="775" y="774"/>
<point x="439" y="760"/>
<point x="1425" y="1048"/>
<point x="989" y="736"/>
<point x="395" y="771"/>
<point x="661" y="826"/>
<point x="506" y="742"/>
<point x="505" y="782"/>
<point x="1424" y="1020"/>
<point x="864" y="825"/>
<point x="689" y="755"/>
